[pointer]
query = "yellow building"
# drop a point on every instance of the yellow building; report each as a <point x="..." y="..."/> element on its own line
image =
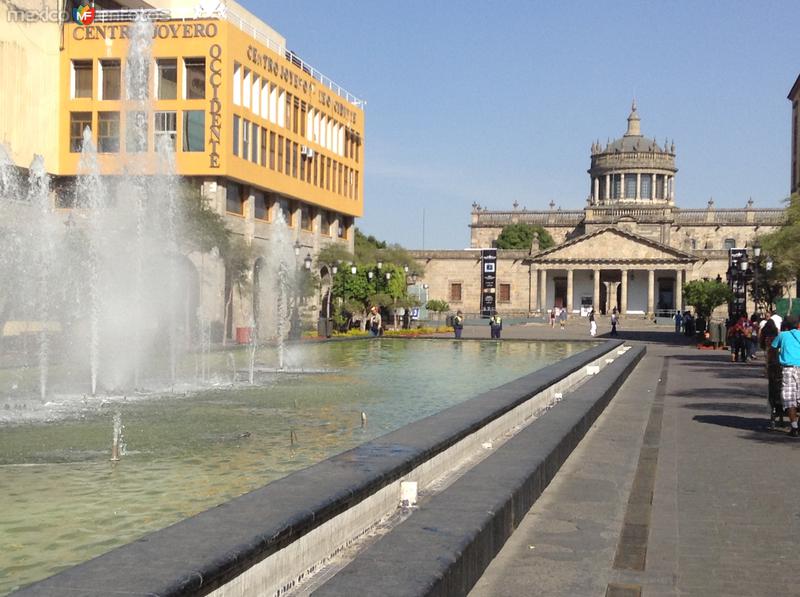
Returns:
<point x="260" y="132"/>
<point x="259" y="128"/>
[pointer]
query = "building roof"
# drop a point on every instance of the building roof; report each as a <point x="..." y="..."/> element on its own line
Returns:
<point x="624" y="250"/>
<point x="795" y="90"/>
<point x="633" y="141"/>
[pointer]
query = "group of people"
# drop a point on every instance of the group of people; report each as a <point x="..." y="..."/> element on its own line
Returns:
<point x="781" y="342"/>
<point x="560" y="314"/>
<point x="495" y="325"/>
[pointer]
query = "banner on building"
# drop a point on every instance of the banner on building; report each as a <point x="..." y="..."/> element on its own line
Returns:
<point x="488" y="282"/>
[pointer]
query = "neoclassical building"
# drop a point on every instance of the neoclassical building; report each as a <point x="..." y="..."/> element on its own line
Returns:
<point x="631" y="247"/>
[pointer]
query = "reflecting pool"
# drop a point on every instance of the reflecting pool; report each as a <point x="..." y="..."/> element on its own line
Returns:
<point x="64" y="501"/>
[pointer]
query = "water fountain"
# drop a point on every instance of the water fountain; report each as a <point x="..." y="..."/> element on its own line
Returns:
<point x="101" y="292"/>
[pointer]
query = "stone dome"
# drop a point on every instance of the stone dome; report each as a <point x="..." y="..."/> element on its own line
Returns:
<point x="633" y="168"/>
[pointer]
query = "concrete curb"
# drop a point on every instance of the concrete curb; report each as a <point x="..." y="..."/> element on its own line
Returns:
<point x="443" y="549"/>
<point x="200" y="554"/>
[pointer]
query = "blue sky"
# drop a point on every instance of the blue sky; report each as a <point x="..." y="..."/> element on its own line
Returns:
<point x="500" y="101"/>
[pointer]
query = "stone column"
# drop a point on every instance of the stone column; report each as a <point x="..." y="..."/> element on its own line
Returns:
<point x="651" y="285"/>
<point x="623" y="308"/>
<point x="569" y="291"/>
<point x="612" y="294"/>
<point x="534" y="289"/>
<point x="608" y="187"/>
<point x="679" y="290"/>
<point x="653" y="186"/>
<point x="596" y="293"/>
<point x="622" y="186"/>
<point x="596" y="190"/>
<point x="638" y="186"/>
<point x="543" y="289"/>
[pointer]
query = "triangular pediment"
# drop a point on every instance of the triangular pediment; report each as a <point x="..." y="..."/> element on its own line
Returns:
<point x="613" y="244"/>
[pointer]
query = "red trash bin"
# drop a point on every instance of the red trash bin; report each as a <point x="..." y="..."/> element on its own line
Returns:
<point x="243" y="335"/>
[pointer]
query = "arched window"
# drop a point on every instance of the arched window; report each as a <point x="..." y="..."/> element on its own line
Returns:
<point x="730" y="243"/>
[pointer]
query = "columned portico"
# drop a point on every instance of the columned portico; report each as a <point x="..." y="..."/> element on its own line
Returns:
<point x="612" y="268"/>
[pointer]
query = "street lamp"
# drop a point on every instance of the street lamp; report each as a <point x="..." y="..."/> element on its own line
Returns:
<point x="307" y="261"/>
<point x="297" y="248"/>
<point x="380" y="264"/>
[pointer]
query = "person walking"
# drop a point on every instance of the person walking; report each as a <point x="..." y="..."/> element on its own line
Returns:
<point x="592" y="324"/>
<point x="458" y="324"/>
<point x="495" y="326"/>
<point x="562" y="318"/>
<point x="614" y="323"/>
<point x="553" y="317"/>
<point x="773" y="368"/>
<point x="788" y="345"/>
<point x="678" y="322"/>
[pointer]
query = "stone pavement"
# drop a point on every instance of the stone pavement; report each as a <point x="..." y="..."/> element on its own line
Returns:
<point x="687" y="429"/>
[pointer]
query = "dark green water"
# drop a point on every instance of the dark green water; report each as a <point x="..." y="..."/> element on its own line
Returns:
<point x="62" y="501"/>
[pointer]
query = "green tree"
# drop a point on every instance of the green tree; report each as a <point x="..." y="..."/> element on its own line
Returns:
<point x="520" y="236"/>
<point x="706" y="295"/>
<point x="437" y="306"/>
<point x="783" y="246"/>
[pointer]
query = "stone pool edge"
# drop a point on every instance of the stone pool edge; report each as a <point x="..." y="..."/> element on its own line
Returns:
<point x="444" y="548"/>
<point x="202" y="553"/>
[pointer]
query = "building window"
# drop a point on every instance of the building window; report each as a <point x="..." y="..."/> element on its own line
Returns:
<point x="81" y="78"/>
<point x="108" y="132"/>
<point x="194" y="126"/>
<point x="455" y="292"/>
<point x="246" y="87"/>
<point x="616" y="186"/>
<point x="166" y="128"/>
<point x="256" y="95"/>
<point x="283" y="209"/>
<point x="730" y="243"/>
<point x="254" y="144"/>
<point x="110" y="79"/>
<point x="235" y="134"/>
<point x="272" y="150"/>
<point x="302" y="165"/>
<point x="235" y="198"/>
<point x="78" y="122"/>
<point x="237" y="84"/>
<point x="288" y="168"/>
<point x="136" y="132"/>
<point x="245" y="138"/>
<point x="294" y="160"/>
<point x="194" y="70"/>
<point x="260" y="210"/>
<point x="646" y="186"/>
<point x="659" y="186"/>
<point x="325" y="223"/>
<point x="280" y="153"/>
<point x="263" y="146"/>
<point x="342" y="228"/>
<point x="504" y="293"/>
<point x="167" y="79"/>
<point x="630" y="186"/>
<point x="305" y="218"/>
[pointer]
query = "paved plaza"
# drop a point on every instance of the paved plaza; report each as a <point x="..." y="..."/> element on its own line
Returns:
<point x="678" y="489"/>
